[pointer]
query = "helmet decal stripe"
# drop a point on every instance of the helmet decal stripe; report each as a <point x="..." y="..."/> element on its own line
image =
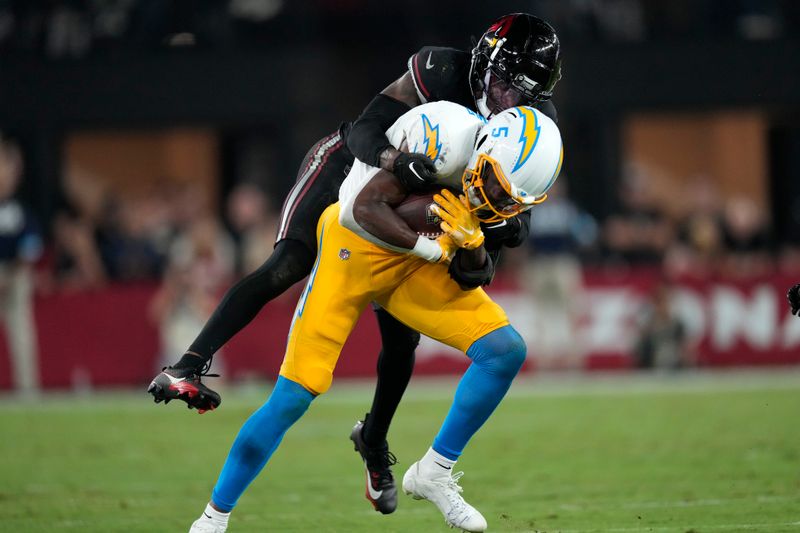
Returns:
<point x="501" y="26"/>
<point x="529" y="136"/>
<point x="415" y="77"/>
<point x="558" y="170"/>
<point x="431" y="136"/>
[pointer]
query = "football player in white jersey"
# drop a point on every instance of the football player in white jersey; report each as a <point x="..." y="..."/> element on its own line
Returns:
<point x="515" y="62"/>
<point x="367" y="253"/>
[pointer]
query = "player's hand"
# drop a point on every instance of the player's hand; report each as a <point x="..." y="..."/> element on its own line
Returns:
<point x="415" y="171"/>
<point x="501" y="232"/>
<point x="457" y="220"/>
<point x="793" y="295"/>
<point x="448" y="247"/>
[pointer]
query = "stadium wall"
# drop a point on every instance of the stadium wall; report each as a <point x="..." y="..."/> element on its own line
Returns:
<point x="104" y="338"/>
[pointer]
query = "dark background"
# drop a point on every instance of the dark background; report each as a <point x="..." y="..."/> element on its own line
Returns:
<point x="294" y="75"/>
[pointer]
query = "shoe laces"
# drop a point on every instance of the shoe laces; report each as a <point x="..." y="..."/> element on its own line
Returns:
<point x="206" y="367"/>
<point x="379" y="457"/>
<point x="452" y="484"/>
<point x="379" y="463"/>
<point x="459" y="509"/>
<point x="194" y="373"/>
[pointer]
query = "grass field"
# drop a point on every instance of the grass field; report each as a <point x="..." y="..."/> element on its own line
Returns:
<point x="696" y="453"/>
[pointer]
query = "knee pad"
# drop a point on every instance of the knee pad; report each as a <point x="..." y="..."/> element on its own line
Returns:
<point x="502" y="351"/>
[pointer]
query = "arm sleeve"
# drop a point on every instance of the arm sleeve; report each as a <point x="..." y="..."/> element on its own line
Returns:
<point x="367" y="138"/>
<point x="471" y="279"/>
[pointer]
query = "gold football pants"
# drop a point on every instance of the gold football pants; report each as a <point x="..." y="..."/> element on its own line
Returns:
<point x="350" y="272"/>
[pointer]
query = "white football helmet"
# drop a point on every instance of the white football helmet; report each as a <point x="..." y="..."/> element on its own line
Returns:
<point x="523" y="147"/>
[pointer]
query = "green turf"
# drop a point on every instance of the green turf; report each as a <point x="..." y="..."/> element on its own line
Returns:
<point x="630" y="457"/>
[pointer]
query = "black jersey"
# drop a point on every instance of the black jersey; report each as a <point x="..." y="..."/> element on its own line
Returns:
<point x="442" y="74"/>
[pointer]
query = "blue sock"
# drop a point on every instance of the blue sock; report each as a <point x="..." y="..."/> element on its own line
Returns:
<point x="496" y="360"/>
<point x="258" y="439"/>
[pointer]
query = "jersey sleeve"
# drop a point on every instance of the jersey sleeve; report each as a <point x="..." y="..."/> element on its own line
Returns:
<point x="441" y="74"/>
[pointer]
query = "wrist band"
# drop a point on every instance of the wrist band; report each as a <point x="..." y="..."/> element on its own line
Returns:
<point x="427" y="249"/>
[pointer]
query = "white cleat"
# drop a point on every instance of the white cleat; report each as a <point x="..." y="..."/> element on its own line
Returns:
<point x="445" y="493"/>
<point x="206" y="525"/>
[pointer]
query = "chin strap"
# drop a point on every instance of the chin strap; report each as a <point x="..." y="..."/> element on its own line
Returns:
<point x="483" y="109"/>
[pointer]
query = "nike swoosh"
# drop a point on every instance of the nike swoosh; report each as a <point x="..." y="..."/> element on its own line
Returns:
<point x="374" y="494"/>
<point x="206" y="515"/>
<point x="173" y="379"/>
<point x="498" y="225"/>
<point x="445" y="467"/>
<point x="468" y="232"/>
<point x="428" y="64"/>
<point x="411" y="168"/>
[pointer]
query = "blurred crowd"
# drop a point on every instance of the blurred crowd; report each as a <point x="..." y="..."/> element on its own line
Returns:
<point x="174" y="234"/>
<point x="697" y="232"/>
<point x="75" y="28"/>
<point x="101" y="236"/>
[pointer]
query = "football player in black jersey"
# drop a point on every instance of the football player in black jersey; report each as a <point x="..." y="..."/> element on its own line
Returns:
<point x="515" y="62"/>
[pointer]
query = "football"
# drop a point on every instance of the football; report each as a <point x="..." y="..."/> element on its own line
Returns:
<point x="415" y="210"/>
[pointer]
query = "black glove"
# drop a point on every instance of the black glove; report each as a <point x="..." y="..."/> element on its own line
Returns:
<point x="498" y="233"/>
<point x="793" y="295"/>
<point x="415" y="171"/>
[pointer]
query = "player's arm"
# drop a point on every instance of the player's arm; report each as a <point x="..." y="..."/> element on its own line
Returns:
<point x="367" y="137"/>
<point x="373" y="212"/>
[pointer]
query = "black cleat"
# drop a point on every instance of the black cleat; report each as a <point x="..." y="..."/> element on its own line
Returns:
<point x="184" y="384"/>
<point x="381" y="490"/>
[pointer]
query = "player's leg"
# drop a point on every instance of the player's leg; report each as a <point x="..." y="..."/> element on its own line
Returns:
<point x="496" y="360"/>
<point x="468" y="320"/>
<point x="395" y="365"/>
<point x="336" y="292"/>
<point x="317" y="185"/>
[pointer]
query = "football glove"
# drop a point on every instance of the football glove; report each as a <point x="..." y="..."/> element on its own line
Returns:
<point x="458" y="221"/>
<point x="448" y="247"/>
<point x="415" y="171"/>
<point x="793" y="295"/>
<point x="499" y="233"/>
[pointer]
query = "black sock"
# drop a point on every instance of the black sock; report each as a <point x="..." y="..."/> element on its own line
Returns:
<point x="190" y="360"/>
<point x="395" y="365"/>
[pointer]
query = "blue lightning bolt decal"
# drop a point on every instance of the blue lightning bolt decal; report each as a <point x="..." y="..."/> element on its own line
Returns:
<point x="529" y="135"/>
<point x="432" y="144"/>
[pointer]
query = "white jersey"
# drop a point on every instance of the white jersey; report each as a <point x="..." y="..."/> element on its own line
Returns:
<point x="443" y="131"/>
